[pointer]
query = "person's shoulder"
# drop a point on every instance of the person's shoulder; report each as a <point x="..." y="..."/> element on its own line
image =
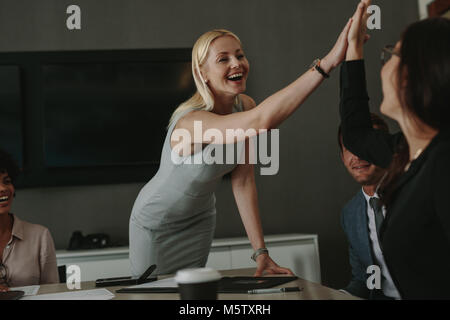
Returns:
<point x="188" y="118"/>
<point x="442" y="148"/>
<point x="439" y="158"/>
<point x="247" y="102"/>
<point x="352" y="204"/>
<point x="33" y="230"/>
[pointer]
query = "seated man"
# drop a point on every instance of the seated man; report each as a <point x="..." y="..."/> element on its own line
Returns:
<point x="27" y="252"/>
<point x="361" y="218"/>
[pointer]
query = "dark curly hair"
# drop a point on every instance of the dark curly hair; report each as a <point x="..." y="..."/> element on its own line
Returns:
<point x="8" y="165"/>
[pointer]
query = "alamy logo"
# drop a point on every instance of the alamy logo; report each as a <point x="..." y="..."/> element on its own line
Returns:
<point x="374" y="21"/>
<point x="74" y="20"/>
<point x="73" y="277"/>
<point x="220" y="145"/>
<point x="374" y="280"/>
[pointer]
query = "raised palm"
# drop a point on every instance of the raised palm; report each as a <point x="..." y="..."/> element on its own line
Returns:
<point x="357" y="34"/>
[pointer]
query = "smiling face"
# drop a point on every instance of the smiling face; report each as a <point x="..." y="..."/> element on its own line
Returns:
<point x="226" y="67"/>
<point x="391" y="105"/>
<point x="365" y="173"/>
<point x="6" y="193"/>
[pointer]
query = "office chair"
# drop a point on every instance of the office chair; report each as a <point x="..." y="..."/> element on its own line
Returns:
<point x="62" y="274"/>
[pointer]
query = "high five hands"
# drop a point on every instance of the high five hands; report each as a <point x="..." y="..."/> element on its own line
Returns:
<point x="349" y="45"/>
<point x="357" y="35"/>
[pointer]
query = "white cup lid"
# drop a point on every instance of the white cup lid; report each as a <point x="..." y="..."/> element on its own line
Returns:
<point x="197" y="275"/>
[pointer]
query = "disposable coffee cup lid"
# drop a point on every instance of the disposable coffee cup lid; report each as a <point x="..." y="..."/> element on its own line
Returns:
<point x="197" y="275"/>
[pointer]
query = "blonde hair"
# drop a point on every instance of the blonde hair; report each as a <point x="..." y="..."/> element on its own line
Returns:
<point x="203" y="98"/>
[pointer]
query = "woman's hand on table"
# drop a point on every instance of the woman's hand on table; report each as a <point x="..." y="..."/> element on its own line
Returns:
<point x="265" y="265"/>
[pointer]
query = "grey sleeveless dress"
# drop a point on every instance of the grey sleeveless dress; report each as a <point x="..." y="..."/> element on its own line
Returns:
<point x="174" y="216"/>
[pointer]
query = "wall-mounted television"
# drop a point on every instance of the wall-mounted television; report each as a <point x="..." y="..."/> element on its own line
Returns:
<point x="95" y="117"/>
<point x="110" y="114"/>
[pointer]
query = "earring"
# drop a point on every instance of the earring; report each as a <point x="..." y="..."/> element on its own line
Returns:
<point x="206" y="80"/>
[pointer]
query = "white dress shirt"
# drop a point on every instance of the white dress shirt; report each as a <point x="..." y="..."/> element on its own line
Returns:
<point x="387" y="285"/>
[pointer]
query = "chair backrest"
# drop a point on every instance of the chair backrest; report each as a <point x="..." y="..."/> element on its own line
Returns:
<point x="62" y="274"/>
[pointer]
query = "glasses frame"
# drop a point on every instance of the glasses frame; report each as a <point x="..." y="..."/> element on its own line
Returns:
<point x="388" y="50"/>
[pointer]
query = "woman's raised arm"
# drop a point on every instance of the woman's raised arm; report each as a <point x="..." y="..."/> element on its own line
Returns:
<point x="275" y="109"/>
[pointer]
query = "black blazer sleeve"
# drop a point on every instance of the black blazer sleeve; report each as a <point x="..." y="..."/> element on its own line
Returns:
<point x="358" y="134"/>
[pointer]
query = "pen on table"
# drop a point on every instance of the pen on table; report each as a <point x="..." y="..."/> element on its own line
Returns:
<point x="274" y="290"/>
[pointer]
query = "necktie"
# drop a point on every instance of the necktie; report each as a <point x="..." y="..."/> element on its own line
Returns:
<point x="375" y="203"/>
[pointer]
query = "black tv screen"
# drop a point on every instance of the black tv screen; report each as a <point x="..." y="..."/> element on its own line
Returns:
<point x="109" y="114"/>
<point x="11" y="112"/>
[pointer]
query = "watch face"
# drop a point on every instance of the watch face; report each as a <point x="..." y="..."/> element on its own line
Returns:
<point x="314" y="63"/>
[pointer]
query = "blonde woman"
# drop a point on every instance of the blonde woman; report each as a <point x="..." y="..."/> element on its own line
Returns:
<point x="173" y="219"/>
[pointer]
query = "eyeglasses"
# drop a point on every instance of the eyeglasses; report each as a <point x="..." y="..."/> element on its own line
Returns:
<point x="387" y="53"/>
<point x="3" y="274"/>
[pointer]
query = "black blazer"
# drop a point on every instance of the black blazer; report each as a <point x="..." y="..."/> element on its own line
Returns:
<point x="415" y="236"/>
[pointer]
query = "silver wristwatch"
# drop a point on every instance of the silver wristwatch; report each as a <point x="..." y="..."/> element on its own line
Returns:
<point x="259" y="252"/>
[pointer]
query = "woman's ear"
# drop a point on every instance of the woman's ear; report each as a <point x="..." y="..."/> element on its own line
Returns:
<point x="203" y="75"/>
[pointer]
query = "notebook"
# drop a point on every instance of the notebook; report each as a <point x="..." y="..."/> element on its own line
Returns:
<point x="226" y="285"/>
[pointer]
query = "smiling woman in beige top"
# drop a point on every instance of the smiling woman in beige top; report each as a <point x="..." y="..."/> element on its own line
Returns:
<point x="27" y="252"/>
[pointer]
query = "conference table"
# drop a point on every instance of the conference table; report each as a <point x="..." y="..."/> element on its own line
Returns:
<point x="309" y="290"/>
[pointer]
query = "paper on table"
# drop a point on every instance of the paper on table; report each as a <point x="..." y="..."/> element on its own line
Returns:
<point x="29" y="290"/>
<point x="163" y="283"/>
<point x="95" y="294"/>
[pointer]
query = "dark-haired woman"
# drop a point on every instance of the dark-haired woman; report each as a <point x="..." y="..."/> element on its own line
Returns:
<point x="27" y="252"/>
<point x="415" y="233"/>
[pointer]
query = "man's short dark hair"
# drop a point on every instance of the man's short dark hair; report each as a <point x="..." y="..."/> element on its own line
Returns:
<point x="8" y="165"/>
<point x="377" y="122"/>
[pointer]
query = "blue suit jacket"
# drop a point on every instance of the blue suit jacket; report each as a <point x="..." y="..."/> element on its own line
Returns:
<point x="355" y="224"/>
